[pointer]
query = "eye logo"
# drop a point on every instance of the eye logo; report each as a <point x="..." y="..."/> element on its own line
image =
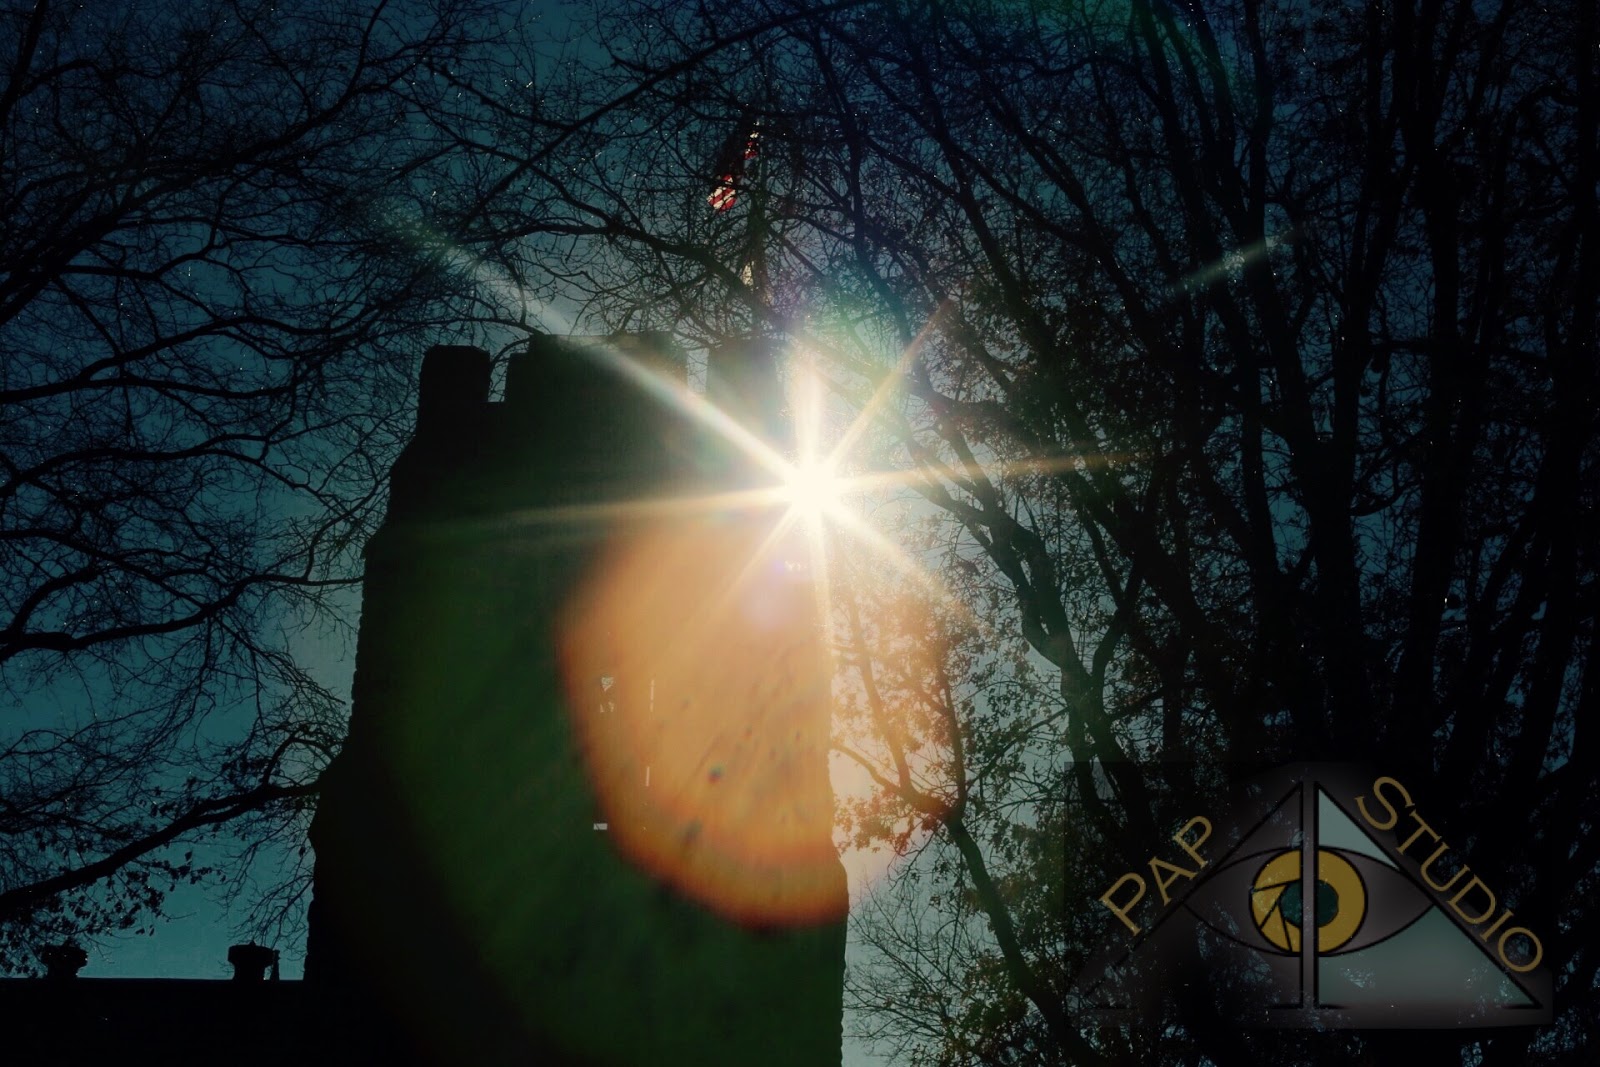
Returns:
<point x="1277" y="899"/>
<point x="1310" y="900"/>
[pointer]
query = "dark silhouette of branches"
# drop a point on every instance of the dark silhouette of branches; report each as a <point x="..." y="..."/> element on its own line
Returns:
<point x="215" y="275"/>
<point x="1244" y="354"/>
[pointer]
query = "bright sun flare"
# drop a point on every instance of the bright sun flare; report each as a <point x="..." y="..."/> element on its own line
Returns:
<point x="818" y="498"/>
<point x="814" y="490"/>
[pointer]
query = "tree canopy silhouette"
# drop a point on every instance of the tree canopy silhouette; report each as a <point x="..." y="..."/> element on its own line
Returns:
<point x="215" y="277"/>
<point x="1242" y="359"/>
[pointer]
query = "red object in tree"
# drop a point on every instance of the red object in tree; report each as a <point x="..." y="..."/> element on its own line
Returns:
<point x="731" y="167"/>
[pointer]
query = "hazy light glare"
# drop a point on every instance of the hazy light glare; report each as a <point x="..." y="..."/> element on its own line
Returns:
<point x="713" y="613"/>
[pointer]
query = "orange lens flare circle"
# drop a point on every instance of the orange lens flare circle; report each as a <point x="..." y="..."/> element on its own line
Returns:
<point x="700" y="699"/>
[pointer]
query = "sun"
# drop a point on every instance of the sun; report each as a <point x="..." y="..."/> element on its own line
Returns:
<point x="816" y="496"/>
<point x="811" y="484"/>
<point x="813" y="489"/>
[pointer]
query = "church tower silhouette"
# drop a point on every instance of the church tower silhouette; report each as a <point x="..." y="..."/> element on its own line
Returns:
<point x="583" y="813"/>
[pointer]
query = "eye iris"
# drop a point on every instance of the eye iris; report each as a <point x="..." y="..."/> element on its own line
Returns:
<point x="1327" y="903"/>
<point x="1276" y="900"/>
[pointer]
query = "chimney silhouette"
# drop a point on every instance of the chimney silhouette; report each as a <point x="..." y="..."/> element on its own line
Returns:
<point x="251" y="961"/>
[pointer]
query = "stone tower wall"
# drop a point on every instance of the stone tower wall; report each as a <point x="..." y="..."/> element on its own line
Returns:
<point x="539" y="655"/>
